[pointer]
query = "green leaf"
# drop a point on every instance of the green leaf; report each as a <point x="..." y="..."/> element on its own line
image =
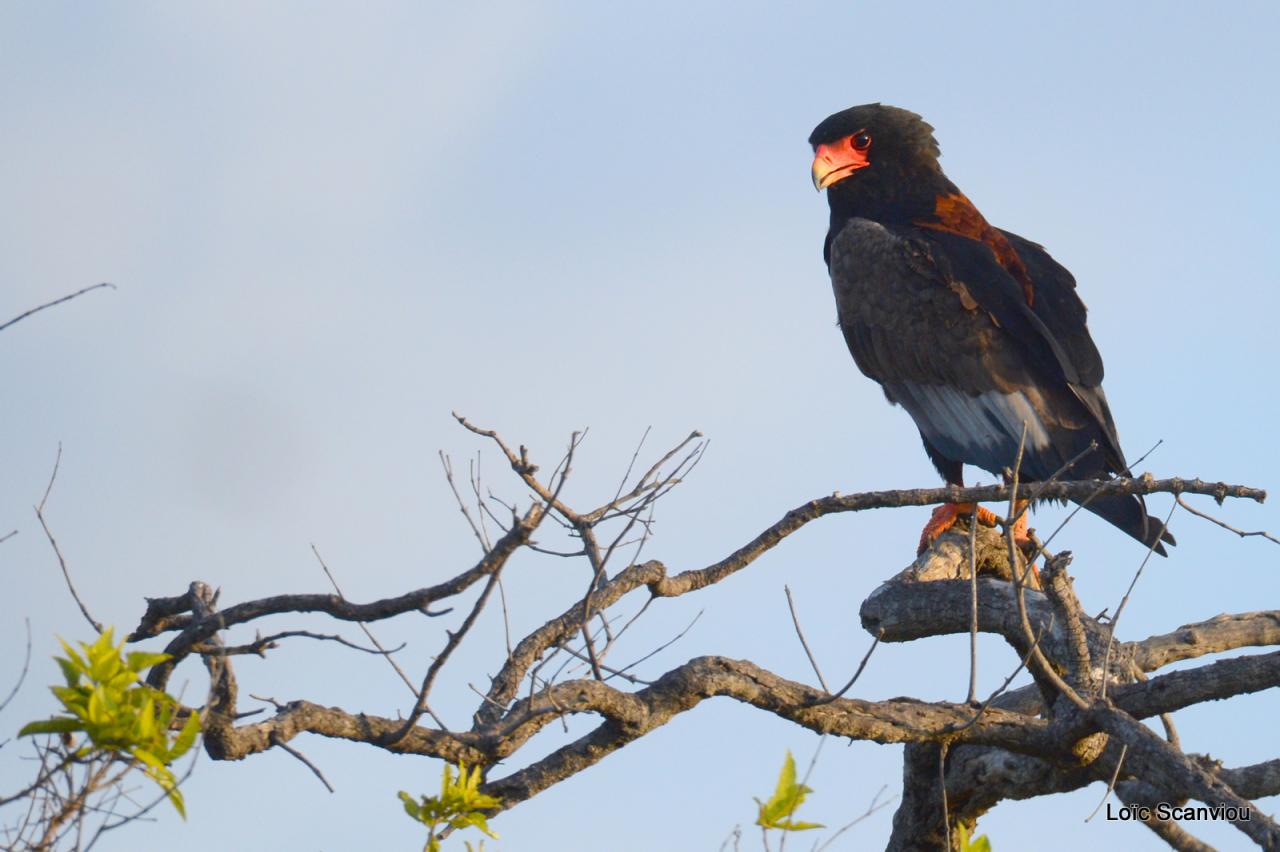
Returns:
<point x="104" y="658"/>
<point x="978" y="844"/>
<point x="411" y="806"/>
<point x="77" y="662"/>
<point x="97" y="712"/>
<point x="50" y="726"/>
<point x="69" y="671"/>
<point x="186" y="737"/>
<point x="785" y="801"/>
<point x="179" y="804"/>
<point x="144" y="726"/>
<point x="139" y="660"/>
<point x="483" y="824"/>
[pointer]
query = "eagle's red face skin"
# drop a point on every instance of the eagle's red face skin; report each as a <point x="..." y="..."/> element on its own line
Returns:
<point x="835" y="161"/>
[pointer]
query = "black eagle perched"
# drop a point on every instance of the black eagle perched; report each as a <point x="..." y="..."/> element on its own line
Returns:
<point x="977" y="332"/>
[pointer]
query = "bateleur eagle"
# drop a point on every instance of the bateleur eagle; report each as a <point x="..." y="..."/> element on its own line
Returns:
<point x="977" y="332"/>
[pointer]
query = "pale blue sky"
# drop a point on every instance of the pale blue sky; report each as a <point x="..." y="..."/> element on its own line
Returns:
<point x="331" y="226"/>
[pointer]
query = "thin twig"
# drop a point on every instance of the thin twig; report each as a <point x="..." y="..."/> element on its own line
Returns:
<point x="612" y="672"/>
<point x="643" y="484"/>
<point x="58" y="301"/>
<point x="630" y="466"/>
<point x="875" y="805"/>
<point x="1140" y="459"/>
<point x="1111" y="625"/>
<point x="795" y="619"/>
<point x="943" y="747"/>
<point x="62" y="562"/>
<point x="664" y="646"/>
<point x="262" y="644"/>
<point x="475" y="476"/>
<point x="1080" y="504"/>
<point x="447" y="464"/>
<point x="1111" y="785"/>
<point x="26" y="665"/>
<point x="163" y="797"/>
<point x="280" y="743"/>
<point x="804" y="782"/>
<point x="1166" y="719"/>
<point x="455" y="639"/>
<point x="1045" y="668"/>
<point x="367" y="632"/>
<point x="734" y="837"/>
<point x="862" y="665"/>
<point x="813" y="761"/>
<point x="1054" y="477"/>
<point x="633" y="619"/>
<point x="973" y="609"/>
<point x="506" y="619"/>
<point x="1226" y="526"/>
<point x="1026" y="658"/>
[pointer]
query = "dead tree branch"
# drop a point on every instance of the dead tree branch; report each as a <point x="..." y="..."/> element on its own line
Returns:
<point x="1079" y="724"/>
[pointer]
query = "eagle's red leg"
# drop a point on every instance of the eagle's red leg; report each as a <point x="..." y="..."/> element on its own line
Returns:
<point x="1023" y="541"/>
<point x="944" y="517"/>
<point x="1020" y="537"/>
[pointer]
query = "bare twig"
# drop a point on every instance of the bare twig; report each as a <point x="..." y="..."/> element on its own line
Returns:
<point x="857" y="674"/>
<point x="658" y="650"/>
<point x="57" y="301"/>
<point x="455" y="639"/>
<point x="333" y="581"/>
<point x="630" y="466"/>
<point x="1111" y="627"/>
<point x="795" y="619"/>
<point x="1140" y="459"/>
<point x="1111" y="785"/>
<point x="1044" y="669"/>
<point x="147" y="808"/>
<point x="1054" y="477"/>
<point x="1226" y="526"/>
<point x="506" y="617"/>
<point x="260" y="645"/>
<point x="62" y="562"/>
<point x="315" y="770"/>
<point x="447" y="464"/>
<point x="875" y="805"/>
<point x="26" y="665"/>
<point x="973" y="609"/>
<point x="1022" y="664"/>
<point x="943" y="748"/>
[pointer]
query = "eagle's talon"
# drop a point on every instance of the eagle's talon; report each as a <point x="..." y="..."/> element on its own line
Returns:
<point x="944" y="518"/>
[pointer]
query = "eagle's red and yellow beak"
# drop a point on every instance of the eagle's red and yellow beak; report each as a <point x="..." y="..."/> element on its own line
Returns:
<point x="835" y="161"/>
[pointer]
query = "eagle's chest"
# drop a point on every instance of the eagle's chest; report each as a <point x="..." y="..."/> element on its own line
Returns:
<point x="890" y="296"/>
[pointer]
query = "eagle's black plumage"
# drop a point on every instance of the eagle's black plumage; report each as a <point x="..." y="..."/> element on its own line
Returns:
<point x="973" y="330"/>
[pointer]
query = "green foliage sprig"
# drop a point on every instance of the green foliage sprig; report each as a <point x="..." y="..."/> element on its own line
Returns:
<point x="104" y="699"/>
<point x="459" y="805"/>
<point x="788" y="796"/>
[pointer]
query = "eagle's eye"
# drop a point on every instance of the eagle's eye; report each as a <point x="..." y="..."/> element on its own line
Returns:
<point x="861" y="140"/>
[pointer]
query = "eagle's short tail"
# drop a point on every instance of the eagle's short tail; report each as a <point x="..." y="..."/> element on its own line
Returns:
<point x="1130" y="515"/>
